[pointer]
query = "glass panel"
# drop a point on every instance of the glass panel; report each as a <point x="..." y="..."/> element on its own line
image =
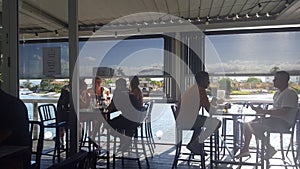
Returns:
<point x="253" y="53"/>
<point x="32" y="57"/>
<point x="39" y="23"/>
<point x="143" y="57"/>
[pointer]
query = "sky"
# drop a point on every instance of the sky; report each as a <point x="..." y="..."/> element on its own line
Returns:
<point x="132" y="56"/>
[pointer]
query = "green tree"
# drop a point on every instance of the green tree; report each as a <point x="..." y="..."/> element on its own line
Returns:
<point x="56" y="87"/>
<point x="45" y="84"/>
<point x="27" y="84"/>
<point x="253" y="80"/>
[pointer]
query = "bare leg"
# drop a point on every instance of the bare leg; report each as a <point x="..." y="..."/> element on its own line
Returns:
<point x="211" y="125"/>
<point x="247" y="136"/>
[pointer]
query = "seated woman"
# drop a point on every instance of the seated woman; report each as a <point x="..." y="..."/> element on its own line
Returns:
<point x="131" y="115"/>
<point x="96" y="92"/>
<point x="135" y="90"/>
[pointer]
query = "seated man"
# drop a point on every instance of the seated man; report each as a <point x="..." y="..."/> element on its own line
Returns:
<point x="131" y="115"/>
<point x="14" y="126"/>
<point x="281" y="115"/>
<point x="193" y="99"/>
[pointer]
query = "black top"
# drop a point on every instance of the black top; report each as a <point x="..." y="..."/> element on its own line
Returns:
<point x="14" y="118"/>
<point x="127" y="103"/>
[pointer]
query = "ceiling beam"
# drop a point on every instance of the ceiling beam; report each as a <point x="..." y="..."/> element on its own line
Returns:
<point x="44" y="19"/>
<point x="290" y="12"/>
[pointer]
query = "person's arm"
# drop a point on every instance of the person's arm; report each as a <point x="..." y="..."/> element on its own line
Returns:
<point x="204" y="102"/>
<point x="277" y="112"/>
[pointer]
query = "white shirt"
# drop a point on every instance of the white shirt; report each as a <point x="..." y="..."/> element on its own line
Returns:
<point x="287" y="98"/>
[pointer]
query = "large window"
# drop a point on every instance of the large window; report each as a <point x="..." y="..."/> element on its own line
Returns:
<point x="132" y="56"/>
<point x="31" y="59"/>
<point x="143" y="57"/>
<point x="253" y="53"/>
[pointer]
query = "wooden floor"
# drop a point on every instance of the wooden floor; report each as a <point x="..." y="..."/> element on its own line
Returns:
<point x="163" y="159"/>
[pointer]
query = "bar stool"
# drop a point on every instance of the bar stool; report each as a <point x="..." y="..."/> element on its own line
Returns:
<point x="137" y="147"/>
<point x="284" y="157"/>
<point x="99" y="153"/>
<point x="178" y="153"/>
<point x="146" y="128"/>
<point x="47" y="116"/>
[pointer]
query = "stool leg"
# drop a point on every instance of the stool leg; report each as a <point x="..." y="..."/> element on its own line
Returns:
<point x="143" y="146"/>
<point x="202" y="158"/>
<point x="114" y="152"/>
<point x="178" y="145"/>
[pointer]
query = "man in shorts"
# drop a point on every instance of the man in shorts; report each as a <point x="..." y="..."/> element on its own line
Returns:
<point x="281" y="116"/>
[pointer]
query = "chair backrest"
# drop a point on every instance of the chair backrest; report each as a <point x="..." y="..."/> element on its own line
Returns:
<point x="150" y="103"/>
<point x="174" y="109"/>
<point x="37" y="133"/>
<point x="148" y="109"/>
<point x="94" y="152"/>
<point x="292" y="129"/>
<point x="149" y="112"/>
<point x="47" y="113"/>
<point x="77" y="161"/>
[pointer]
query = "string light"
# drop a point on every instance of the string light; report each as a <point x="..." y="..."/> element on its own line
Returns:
<point x="207" y="20"/>
<point x="162" y="22"/>
<point x="56" y="33"/>
<point x="180" y="20"/>
<point x="242" y="15"/>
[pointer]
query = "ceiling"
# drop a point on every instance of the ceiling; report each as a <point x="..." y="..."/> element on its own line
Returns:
<point x="49" y="18"/>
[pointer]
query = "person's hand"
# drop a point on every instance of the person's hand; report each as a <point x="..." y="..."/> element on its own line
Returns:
<point x="214" y="101"/>
<point x="258" y="109"/>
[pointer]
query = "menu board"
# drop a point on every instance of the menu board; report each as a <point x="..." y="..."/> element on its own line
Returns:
<point x="51" y="61"/>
